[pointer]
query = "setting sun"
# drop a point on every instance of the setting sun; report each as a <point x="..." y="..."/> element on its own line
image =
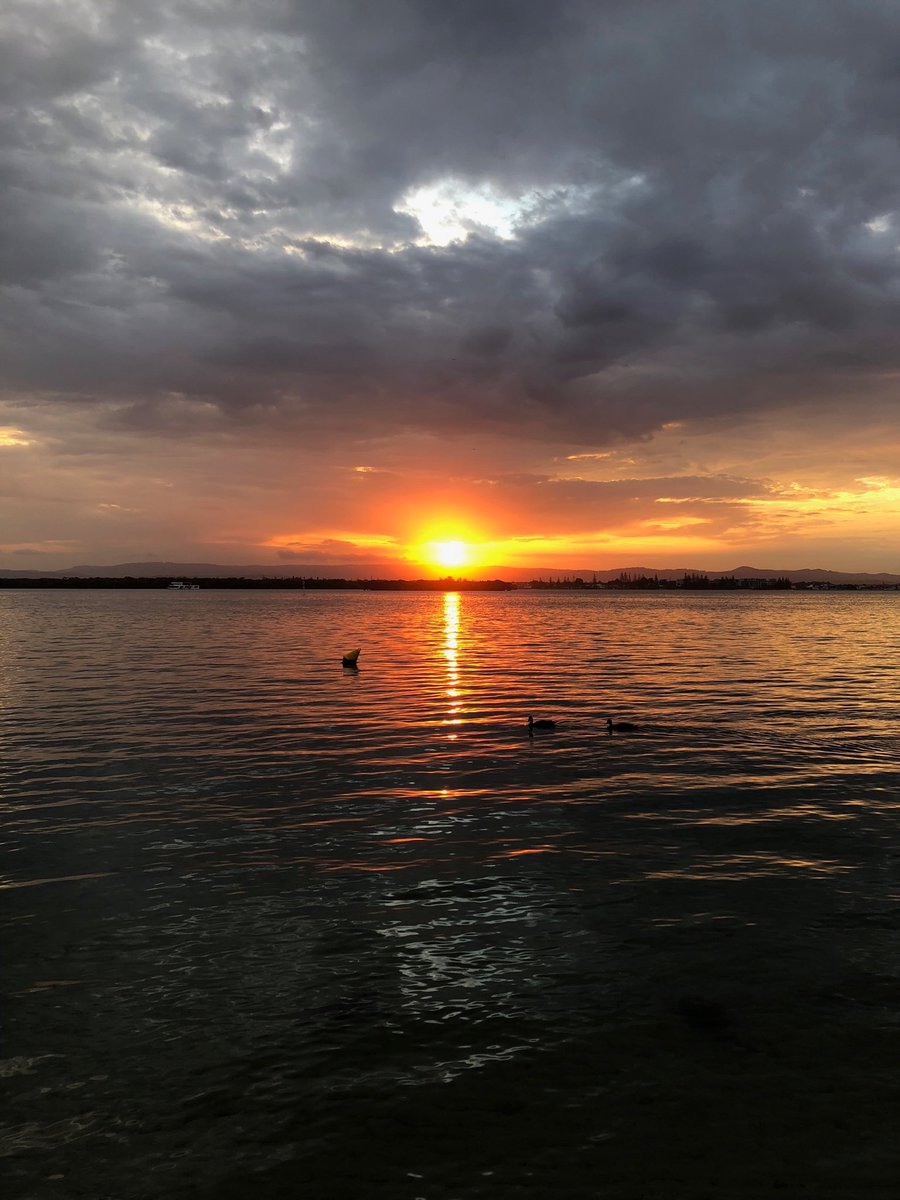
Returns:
<point x="448" y="554"/>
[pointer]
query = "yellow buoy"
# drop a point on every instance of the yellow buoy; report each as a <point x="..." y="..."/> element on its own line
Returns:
<point x="349" y="659"/>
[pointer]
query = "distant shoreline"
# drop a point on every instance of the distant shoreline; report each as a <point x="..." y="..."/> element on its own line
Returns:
<point x="237" y="583"/>
<point x="447" y="584"/>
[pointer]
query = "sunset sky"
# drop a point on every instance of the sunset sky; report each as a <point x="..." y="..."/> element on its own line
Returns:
<point x="576" y="284"/>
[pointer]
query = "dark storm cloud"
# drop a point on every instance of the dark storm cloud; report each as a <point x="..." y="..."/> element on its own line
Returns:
<point x="202" y="205"/>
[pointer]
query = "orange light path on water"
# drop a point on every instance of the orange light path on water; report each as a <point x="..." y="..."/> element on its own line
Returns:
<point x="451" y="656"/>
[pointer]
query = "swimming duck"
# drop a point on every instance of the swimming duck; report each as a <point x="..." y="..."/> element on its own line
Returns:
<point x="620" y="726"/>
<point x="349" y="659"/>
<point x="543" y="723"/>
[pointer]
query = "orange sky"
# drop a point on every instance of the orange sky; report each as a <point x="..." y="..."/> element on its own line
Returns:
<point x="822" y="491"/>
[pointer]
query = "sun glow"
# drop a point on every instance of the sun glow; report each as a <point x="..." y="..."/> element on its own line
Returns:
<point x="448" y="554"/>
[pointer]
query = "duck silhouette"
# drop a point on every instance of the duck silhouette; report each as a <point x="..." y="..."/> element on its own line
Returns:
<point x="620" y="726"/>
<point x="542" y="723"/>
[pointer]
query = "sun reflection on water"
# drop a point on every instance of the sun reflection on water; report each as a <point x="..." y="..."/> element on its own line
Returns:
<point x="451" y="655"/>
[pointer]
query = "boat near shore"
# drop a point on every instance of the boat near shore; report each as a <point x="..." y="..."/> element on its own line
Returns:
<point x="179" y="586"/>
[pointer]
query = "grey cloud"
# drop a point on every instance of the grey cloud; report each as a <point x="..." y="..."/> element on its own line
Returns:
<point x="202" y="200"/>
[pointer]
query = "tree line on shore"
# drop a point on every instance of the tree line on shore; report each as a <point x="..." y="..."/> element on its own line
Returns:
<point x="690" y="581"/>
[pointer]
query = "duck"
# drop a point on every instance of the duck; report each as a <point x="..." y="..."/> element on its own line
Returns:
<point x="349" y="659"/>
<point x="542" y="723"/>
<point x="620" y="726"/>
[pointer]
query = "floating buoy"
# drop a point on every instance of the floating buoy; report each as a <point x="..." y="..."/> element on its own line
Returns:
<point x="349" y="659"/>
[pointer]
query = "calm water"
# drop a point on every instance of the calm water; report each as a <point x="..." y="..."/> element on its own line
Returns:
<point x="276" y="928"/>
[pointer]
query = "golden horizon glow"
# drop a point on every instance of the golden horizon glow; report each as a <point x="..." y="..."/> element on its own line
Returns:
<point x="668" y="530"/>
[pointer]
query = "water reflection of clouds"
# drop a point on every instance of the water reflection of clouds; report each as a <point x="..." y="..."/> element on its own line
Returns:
<point x="465" y="948"/>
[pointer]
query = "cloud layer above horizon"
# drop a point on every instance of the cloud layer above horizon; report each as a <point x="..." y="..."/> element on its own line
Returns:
<point x="582" y="281"/>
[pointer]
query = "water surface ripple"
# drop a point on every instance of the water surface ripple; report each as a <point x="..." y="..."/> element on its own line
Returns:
<point x="274" y="925"/>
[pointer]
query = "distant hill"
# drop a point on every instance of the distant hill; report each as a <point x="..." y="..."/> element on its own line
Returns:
<point x="155" y="570"/>
<point x="401" y="570"/>
<point x="167" y="570"/>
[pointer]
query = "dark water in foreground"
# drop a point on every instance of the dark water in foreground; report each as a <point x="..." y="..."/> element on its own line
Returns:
<point x="276" y="929"/>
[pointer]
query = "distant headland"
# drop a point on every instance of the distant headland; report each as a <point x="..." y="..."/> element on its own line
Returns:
<point x="365" y="577"/>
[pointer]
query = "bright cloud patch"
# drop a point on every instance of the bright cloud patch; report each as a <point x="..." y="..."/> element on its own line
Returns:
<point x="450" y="210"/>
